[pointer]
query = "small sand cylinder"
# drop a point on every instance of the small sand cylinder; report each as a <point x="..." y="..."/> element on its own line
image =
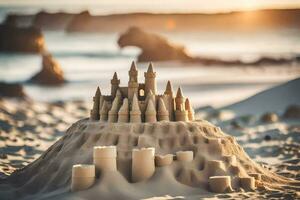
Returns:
<point x="105" y="158"/>
<point x="163" y="160"/>
<point x="185" y="156"/>
<point x="143" y="165"/>
<point x="83" y="177"/>
<point x="220" y="184"/>
<point x="248" y="183"/>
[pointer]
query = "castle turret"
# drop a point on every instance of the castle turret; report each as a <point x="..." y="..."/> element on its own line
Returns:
<point x="124" y="112"/>
<point x="143" y="165"/>
<point x="101" y="103"/>
<point x="150" y="113"/>
<point x="180" y="113"/>
<point x="191" y="112"/>
<point x="95" y="110"/>
<point x="135" y="113"/>
<point x="150" y="82"/>
<point x="104" y="112"/>
<point x="113" y="113"/>
<point x="171" y="104"/>
<point x="133" y="84"/>
<point x="115" y="82"/>
<point x="162" y="114"/>
<point x="150" y="96"/>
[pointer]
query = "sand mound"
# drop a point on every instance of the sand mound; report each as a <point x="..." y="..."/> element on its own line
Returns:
<point x="271" y="100"/>
<point x="216" y="154"/>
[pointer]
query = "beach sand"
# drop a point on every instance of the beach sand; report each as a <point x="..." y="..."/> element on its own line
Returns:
<point x="29" y="128"/>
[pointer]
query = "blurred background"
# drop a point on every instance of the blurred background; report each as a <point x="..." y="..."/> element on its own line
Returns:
<point x="261" y="38"/>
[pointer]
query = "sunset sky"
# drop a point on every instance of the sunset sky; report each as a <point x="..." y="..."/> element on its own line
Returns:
<point x="156" y="5"/>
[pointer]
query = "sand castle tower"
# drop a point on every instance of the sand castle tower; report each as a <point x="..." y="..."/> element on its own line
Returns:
<point x="163" y="113"/>
<point x="115" y="82"/>
<point x="105" y="158"/>
<point x="139" y="102"/>
<point x="95" y="110"/>
<point x="124" y="112"/>
<point x="150" y="113"/>
<point x="83" y="177"/>
<point x="170" y="106"/>
<point x="113" y="113"/>
<point x="135" y="113"/>
<point x="143" y="165"/>
<point x="191" y="112"/>
<point x="104" y="112"/>
<point x="150" y="82"/>
<point x="180" y="113"/>
<point x="133" y="84"/>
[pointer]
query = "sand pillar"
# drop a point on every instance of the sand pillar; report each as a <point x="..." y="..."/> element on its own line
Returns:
<point x="248" y="183"/>
<point x="124" y="112"/>
<point x="162" y="114"/>
<point x="220" y="184"/>
<point x="104" y="112"/>
<point x="143" y="165"/>
<point x="189" y="108"/>
<point x="135" y="113"/>
<point x="105" y="158"/>
<point x="113" y="113"/>
<point x="185" y="156"/>
<point x="150" y="114"/>
<point x="83" y="177"/>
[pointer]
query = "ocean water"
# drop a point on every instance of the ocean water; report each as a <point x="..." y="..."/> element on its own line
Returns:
<point x="89" y="60"/>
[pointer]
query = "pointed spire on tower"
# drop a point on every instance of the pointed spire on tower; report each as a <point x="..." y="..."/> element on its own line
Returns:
<point x="169" y="88"/>
<point x="179" y="92"/>
<point x="115" y="76"/>
<point x="150" y="114"/>
<point x="187" y="104"/>
<point x="162" y="112"/>
<point x="95" y="110"/>
<point x="161" y="105"/>
<point x="104" y="111"/>
<point x="135" y="104"/>
<point x="98" y="92"/>
<point x="124" y="112"/>
<point x="150" y="68"/>
<point x="135" y="113"/>
<point x="189" y="108"/>
<point x="133" y="67"/>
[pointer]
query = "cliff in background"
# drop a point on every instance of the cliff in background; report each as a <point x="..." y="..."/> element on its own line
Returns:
<point x="244" y="21"/>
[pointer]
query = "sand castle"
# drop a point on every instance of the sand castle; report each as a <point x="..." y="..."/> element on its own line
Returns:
<point x="132" y="148"/>
<point x="139" y="102"/>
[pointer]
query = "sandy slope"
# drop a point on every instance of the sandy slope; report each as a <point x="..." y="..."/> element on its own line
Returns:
<point x="271" y="100"/>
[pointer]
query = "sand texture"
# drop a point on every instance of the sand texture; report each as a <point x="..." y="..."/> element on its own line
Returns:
<point x="215" y="154"/>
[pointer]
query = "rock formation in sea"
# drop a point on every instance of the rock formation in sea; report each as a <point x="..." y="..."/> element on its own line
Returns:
<point x="52" y="21"/>
<point x="50" y="74"/>
<point x="17" y="39"/>
<point x="11" y="90"/>
<point x="154" y="47"/>
<point x="150" y="156"/>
